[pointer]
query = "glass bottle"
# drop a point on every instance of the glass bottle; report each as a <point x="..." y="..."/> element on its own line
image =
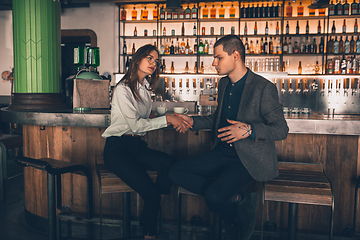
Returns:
<point x="339" y="8"/>
<point x="251" y="47"/>
<point x="182" y="47"/>
<point x="134" y="14"/>
<point x="297" y="27"/>
<point x="194" y="29"/>
<point x="290" y="46"/>
<point x="232" y="11"/>
<point x="317" y="68"/>
<point x="255" y="29"/>
<point x="169" y="15"/>
<point x="347" y="45"/>
<point x="186" y="71"/>
<point x="333" y="29"/>
<point x="357" y="45"/>
<point x="287" y="27"/>
<point x="123" y="14"/>
<point x="202" y="68"/>
<point x="299" y="68"/>
<point x="205" y="12"/>
<point x="346" y="8"/>
<point x="127" y="64"/>
<point x="300" y="10"/>
<point x="194" y="12"/>
<point x="187" y="12"/>
<point x="285" y="46"/>
<point x="133" y="49"/>
<point x="341" y="45"/>
<point x="182" y="29"/>
<point x="321" y="45"/>
<point x="195" y="46"/>
<point x="213" y="12"/>
<point x="124" y="48"/>
<point x="245" y="29"/>
<point x="311" y="12"/>
<point x="135" y="32"/>
<point x="195" y="70"/>
<point x="175" y="15"/>
<point x="222" y="12"/>
<point x="246" y="46"/>
<point x="266" y="28"/>
<point x="181" y="15"/>
<point x="211" y="48"/>
<point x="187" y="47"/>
<point x="266" y="46"/>
<point x="289" y="10"/>
<point x="172" y="48"/>
<point x="277" y="29"/>
<point x="344" y="26"/>
<point x="201" y="47"/>
<point x="354" y="8"/>
<point x="164" y="31"/>
<point x="155" y="14"/>
<point x="145" y="14"/>
<point x="352" y="45"/>
<point x="177" y="47"/>
<point x="355" y="26"/>
<point x="319" y="28"/>
<point x="336" y="46"/>
<point x="332" y="9"/>
<point x="307" y="27"/>
<point x="172" y="69"/>
<point x="322" y="12"/>
<point x="162" y="13"/>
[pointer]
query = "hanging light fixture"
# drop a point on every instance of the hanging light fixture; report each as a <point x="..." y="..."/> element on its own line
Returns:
<point x="173" y="6"/>
<point x="317" y="4"/>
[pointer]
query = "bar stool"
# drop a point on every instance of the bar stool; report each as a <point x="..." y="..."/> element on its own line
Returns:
<point x="54" y="169"/>
<point x="7" y="141"/>
<point x="304" y="183"/>
<point x="110" y="183"/>
<point x="217" y="221"/>
<point x="355" y="206"/>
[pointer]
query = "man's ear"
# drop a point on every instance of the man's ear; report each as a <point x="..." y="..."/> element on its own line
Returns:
<point x="236" y="55"/>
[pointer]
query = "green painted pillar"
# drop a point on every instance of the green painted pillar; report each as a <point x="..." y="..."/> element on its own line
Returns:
<point x="37" y="48"/>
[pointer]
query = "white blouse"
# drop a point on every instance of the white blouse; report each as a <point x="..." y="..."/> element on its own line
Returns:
<point x="129" y="116"/>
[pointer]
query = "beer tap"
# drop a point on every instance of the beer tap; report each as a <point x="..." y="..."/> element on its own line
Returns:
<point x="290" y="86"/>
<point x="187" y="86"/>
<point x="194" y="85"/>
<point x="202" y="86"/>
<point x="338" y="86"/>
<point x="172" y="97"/>
<point x="166" y="85"/>
<point x="314" y="86"/>
<point x="330" y="87"/>
<point x="346" y="86"/>
<point x="298" y="86"/>
<point x="322" y="87"/>
<point x="180" y="86"/>
<point x="354" y="86"/>
<point x="216" y="85"/>
<point x="283" y="86"/>
<point x="305" y="85"/>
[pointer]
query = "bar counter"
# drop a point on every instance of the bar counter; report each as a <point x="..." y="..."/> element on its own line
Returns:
<point x="76" y="137"/>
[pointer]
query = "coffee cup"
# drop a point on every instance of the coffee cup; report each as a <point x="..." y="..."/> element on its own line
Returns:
<point x="181" y="110"/>
<point x="161" y="110"/>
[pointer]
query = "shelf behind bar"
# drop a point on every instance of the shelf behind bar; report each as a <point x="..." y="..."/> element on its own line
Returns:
<point x="304" y="35"/>
<point x="304" y="18"/>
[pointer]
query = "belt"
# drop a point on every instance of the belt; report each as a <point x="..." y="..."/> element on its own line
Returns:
<point x="131" y="135"/>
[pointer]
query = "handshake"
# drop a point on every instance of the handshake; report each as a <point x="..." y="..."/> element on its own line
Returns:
<point x="180" y="122"/>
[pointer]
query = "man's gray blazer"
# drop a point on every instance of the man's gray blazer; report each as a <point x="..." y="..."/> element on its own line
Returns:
<point x="259" y="106"/>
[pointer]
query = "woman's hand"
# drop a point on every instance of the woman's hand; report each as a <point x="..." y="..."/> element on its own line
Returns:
<point x="152" y="115"/>
<point x="178" y="123"/>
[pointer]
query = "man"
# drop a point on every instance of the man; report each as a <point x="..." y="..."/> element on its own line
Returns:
<point x="248" y="119"/>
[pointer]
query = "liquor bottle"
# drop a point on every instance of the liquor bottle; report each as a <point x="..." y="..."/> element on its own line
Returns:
<point x="290" y="46"/>
<point x="278" y="10"/>
<point x="155" y="14"/>
<point x="355" y="67"/>
<point x="321" y="45"/>
<point x="348" y="65"/>
<point x="333" y="29"/>
<point x="279" y="48"/>
<point x="296" y="48"/>
<point x="265" y="11"/>
<point x="222" y="12"/>
<point x="211" y="30"/>
<point x="341" y="45"/>
<point x="169" y="15"/>
<point x="266" y="46"/>
<point x="277" y="29"/>
<point x="195" y="46"/>
<point x="251" y="48"/>
<point x="343" y="65"/>
<point x="355" y="26"/>
<point x="232" y="11"/>
<point x="124" y="48"/>
<point x="299" y="68"/>
<point x="164" y="31"/>
<point x="357" y="44"/>
<point x="162" y="13"/>
<point x="339" y="8"/>
<point x="255" y="29"/>
<point x="133" y="49"/>
<point x="317" y="68"/>
<point x="274" y="46"/>
<point x="172" y="68"/>
<point x="285" y="46"/>
<point x="127" y="64"/>
<point x="322" y="12"/>
<point x="306" y="46"/>
<point x="347" y="45"/>
<point x="260" y="11"/>
<point x="266" y="28"/>
<point x="245" y="29"/>
<point x="213" y="12"/>
<point x="123" y="14"/>
<point x="336" y="46"/>
<point x="297" y="27"/>
<point x="177" y="47"/>
<point x="354" y="8"/>
<point x="314" y="46"/>
<point x="261" y="47"/>
<point x="181" y="15"/>
<point x="307" y="27"/>
<point x="211" y="48"/>
<point x="175" y="15"/>
<point x="172" y="48"/>
<point x="352" y="45"/>
<point x="273" y="10"/>
<point x="246" y="46"/>
<point x="346" y="8"/>
<point x="194" y="12"/>
<point x="145" y="14"/>
<point x="302" y="46"/>
<point x="167" y="48"/>
<point x="134" y="14"/>
<point x="202" y="71"/>
<point x="182" y="47"/>
<point x="311" y="12"/>
<point x="344" y="27"/>
<point x="332" y="9"/>
<point x="257" y="47"/>
<point x="201" y="47"/>
<point x="205" y="12"/>
<point x="187" y="12"/>
<point x="287" y="27"/>
<point x="195" y="71"/>
<point x="330" y="46"/>
<point x="251" y="11"/>
<point x="194" y="29"/>
<point x="300" y="10"/>
<point x="289" y="10"/>
<point x="135" y="32"/>
<point x="319" y="28"/>
<point x="256" y="11"/>
<point x="182" y="29"/>
<point x="187" y="47"/>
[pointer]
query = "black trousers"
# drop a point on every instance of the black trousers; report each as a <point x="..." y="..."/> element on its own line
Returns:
<point x="217" y="175"/>
<point x="129" y="158"/>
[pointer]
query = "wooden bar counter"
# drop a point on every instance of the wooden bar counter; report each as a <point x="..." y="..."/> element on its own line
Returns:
<point x="76" y="137"/>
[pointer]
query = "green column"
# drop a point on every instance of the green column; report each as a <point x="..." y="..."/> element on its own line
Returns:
<point x="37" y="46"/>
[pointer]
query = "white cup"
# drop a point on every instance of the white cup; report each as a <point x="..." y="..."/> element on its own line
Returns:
<point x="161" y="110"/>
<point x="181" y="110"/>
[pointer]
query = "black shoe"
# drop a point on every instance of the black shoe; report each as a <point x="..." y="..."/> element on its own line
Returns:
<point x="246" y="211"/>
<point x="231" y="232"/>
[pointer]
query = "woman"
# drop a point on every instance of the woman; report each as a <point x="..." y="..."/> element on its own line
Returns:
<point x="125" y="153"/>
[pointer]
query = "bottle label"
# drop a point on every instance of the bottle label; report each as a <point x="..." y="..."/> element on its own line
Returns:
<point x="181" y="16"/>
<point x="175" y="16"/>
<point x="201" y="49"/>
<point x="187" y="15"/>
<point x="162" y="15"/>
<point x="355" y="29"/>
<point x="357" y="46"/>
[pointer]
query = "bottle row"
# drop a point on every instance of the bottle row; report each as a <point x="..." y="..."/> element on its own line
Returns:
<point x="179" y="47"/>
<point x="339" y="9"/>
<point x="336" y="46"/>
<point x="343" y="65"/>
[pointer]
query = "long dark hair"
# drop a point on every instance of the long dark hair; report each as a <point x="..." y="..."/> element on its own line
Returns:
<point x="131" y="77"/>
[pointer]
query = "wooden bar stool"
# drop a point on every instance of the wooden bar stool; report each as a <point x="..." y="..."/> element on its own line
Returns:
<point x="110" y="183"/>
<point x="304" y="183"/>
<point x="7" y="141"/>
<point x="217" y="221"/>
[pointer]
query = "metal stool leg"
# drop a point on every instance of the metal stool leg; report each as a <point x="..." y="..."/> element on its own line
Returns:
<point x="292" y="221"/>
<point x="51" y="206"/>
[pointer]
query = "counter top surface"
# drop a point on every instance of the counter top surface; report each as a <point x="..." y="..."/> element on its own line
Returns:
<point x="302" y="124"/>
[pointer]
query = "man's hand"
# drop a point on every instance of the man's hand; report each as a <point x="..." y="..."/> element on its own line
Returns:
<point x="188" y="122"/>
<point x="178" y="123"/>
<point x="234" y="132"/>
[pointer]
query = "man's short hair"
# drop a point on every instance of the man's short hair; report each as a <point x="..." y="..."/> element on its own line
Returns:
<point x="232" y="43"/>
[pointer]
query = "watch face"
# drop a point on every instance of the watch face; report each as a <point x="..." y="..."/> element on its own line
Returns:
<point x="5" y="75"/>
